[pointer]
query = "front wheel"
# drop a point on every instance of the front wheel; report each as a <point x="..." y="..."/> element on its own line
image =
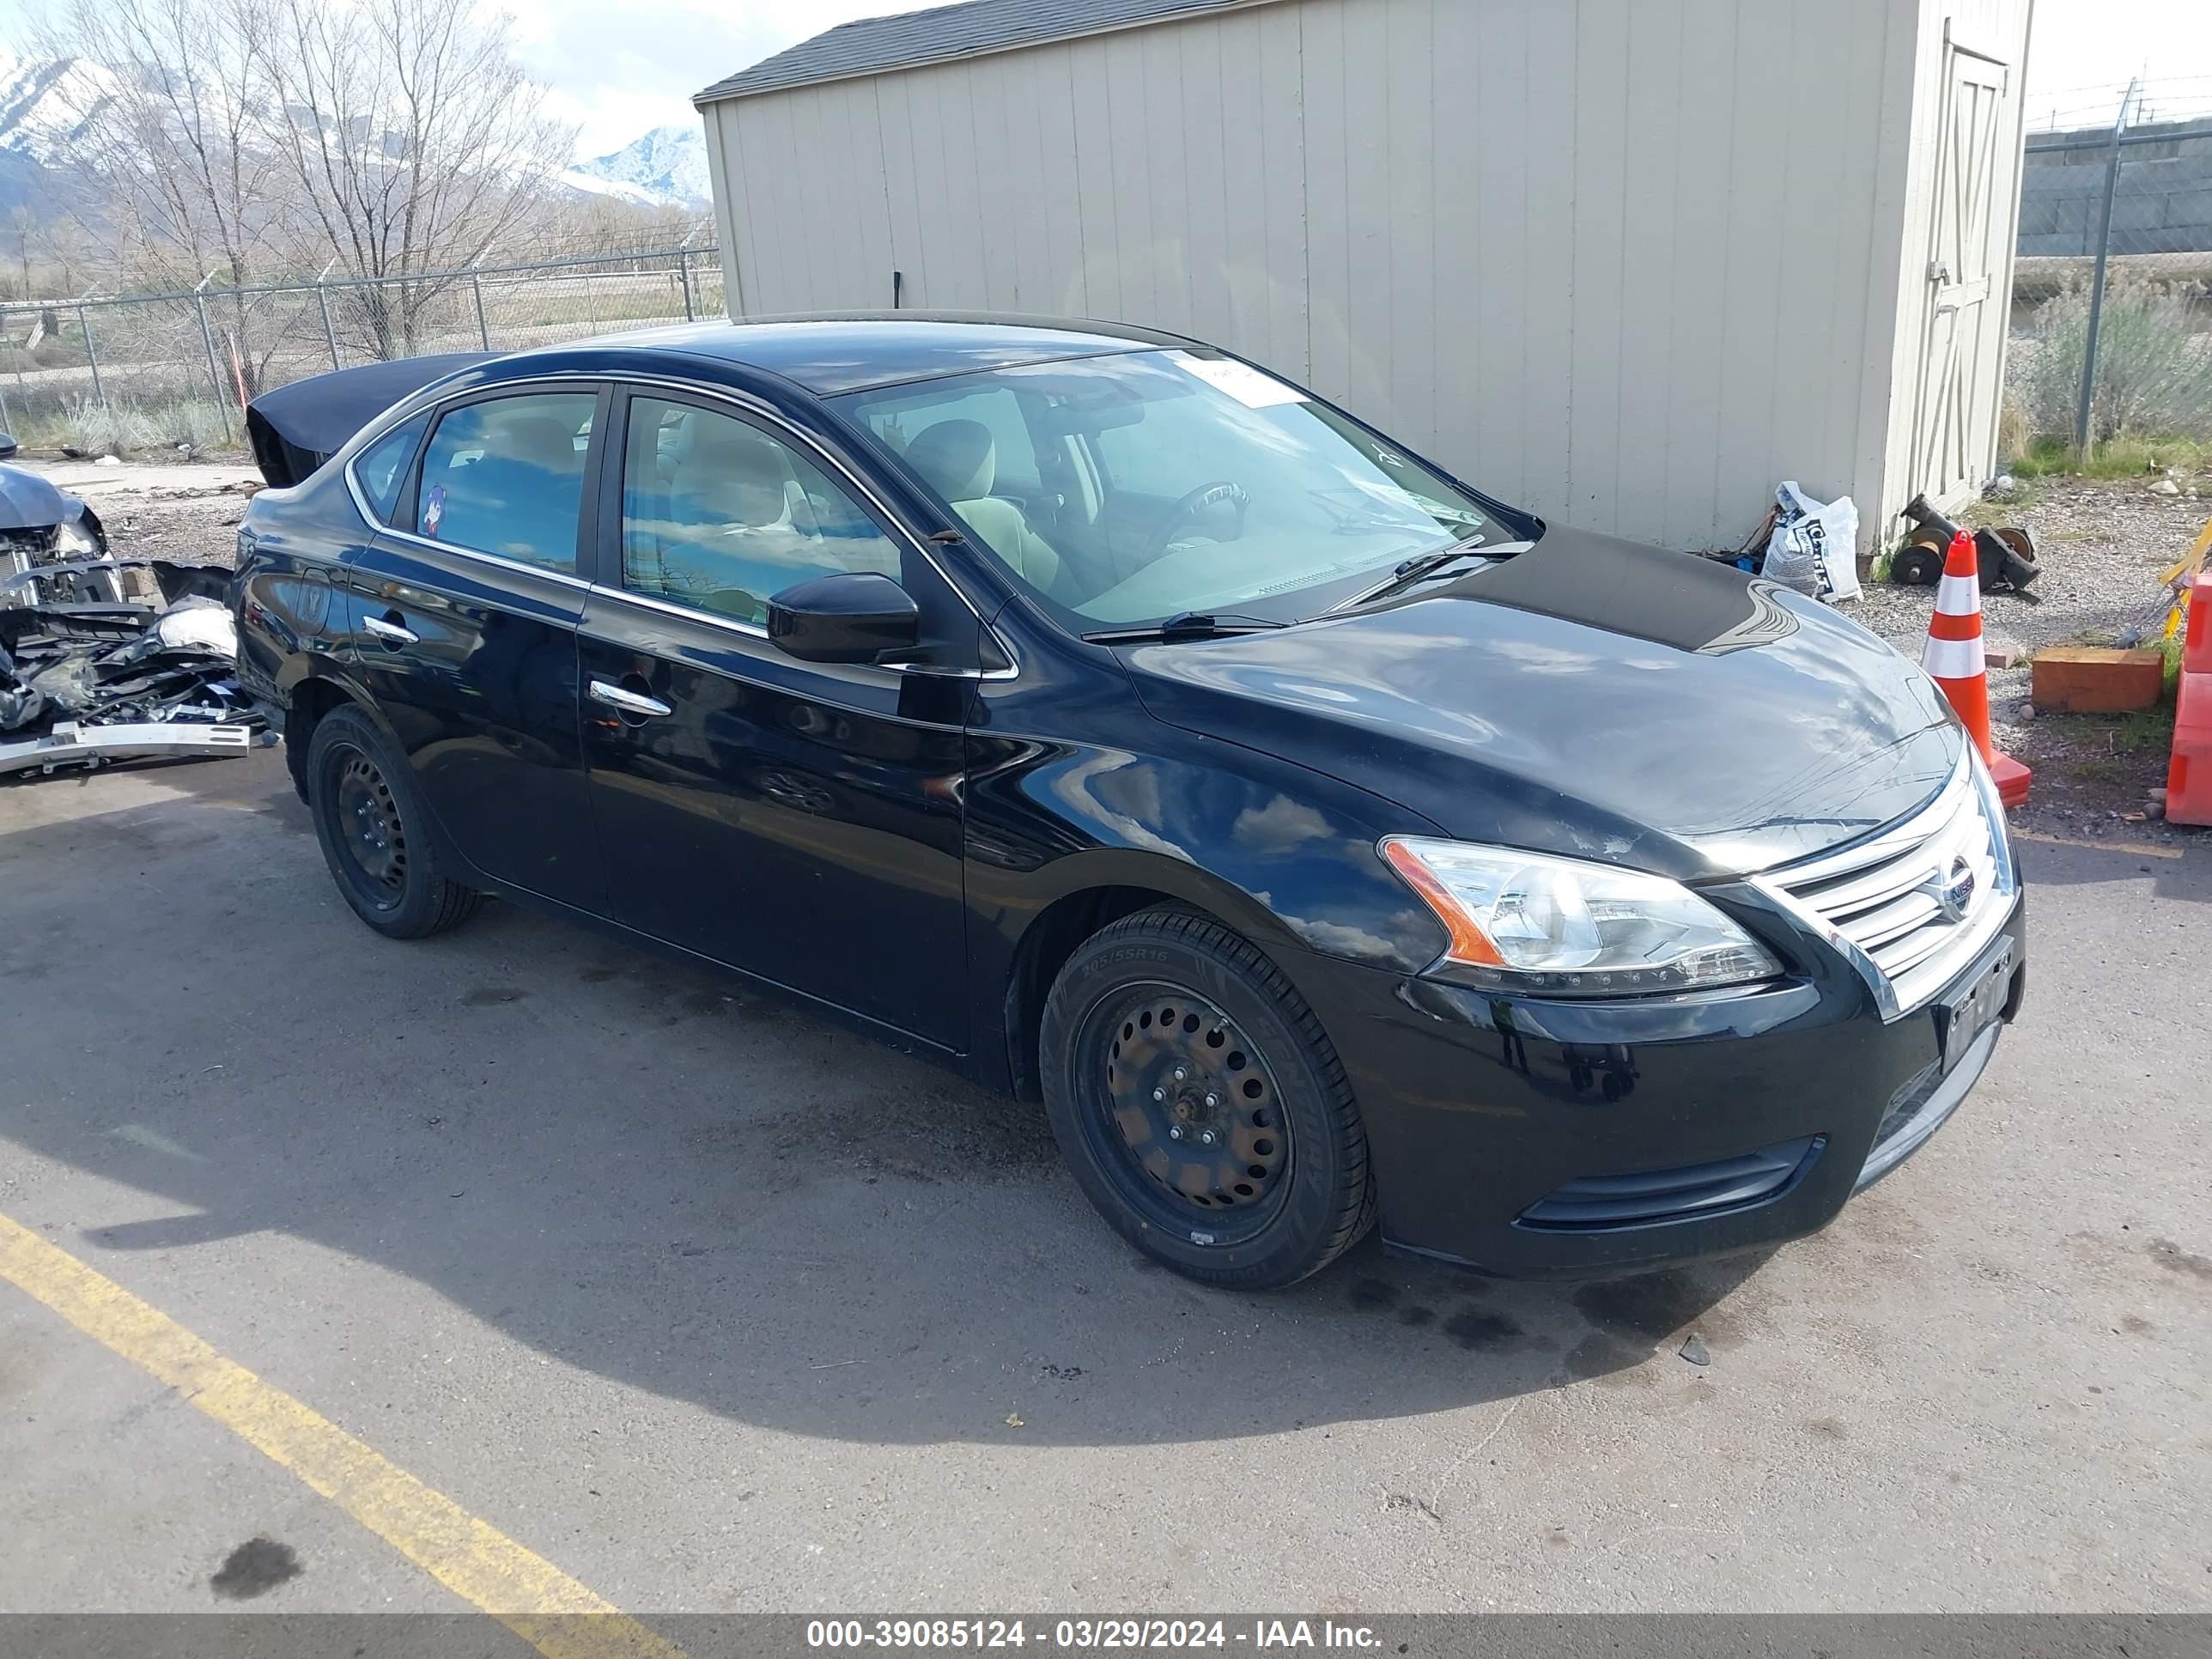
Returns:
<point x="1200" y="1106"/>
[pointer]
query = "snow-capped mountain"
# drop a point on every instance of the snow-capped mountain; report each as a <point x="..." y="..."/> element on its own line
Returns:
<point x="44" y="103"/>
<point x="665" y="168"/>
<point x="43" y="100"/>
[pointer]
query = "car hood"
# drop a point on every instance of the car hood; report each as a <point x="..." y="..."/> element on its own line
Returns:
<point x="1589" y="697"/>
<point x="28" y="501"/>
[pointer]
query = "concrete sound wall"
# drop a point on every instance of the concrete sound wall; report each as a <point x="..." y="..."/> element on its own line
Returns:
<point x="2163" y="205"/>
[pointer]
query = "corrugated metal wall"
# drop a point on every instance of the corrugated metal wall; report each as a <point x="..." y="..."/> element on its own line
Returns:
<point x="1630" y="262"/>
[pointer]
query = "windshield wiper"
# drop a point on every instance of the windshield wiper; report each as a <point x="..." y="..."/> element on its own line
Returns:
<point x="1185" y="625"/>
<point x="1416" y="569"/>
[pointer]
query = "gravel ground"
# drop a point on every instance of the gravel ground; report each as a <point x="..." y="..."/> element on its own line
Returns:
<point x="2102" y="547"/>
<point x="191" y="530"/>
<point x="184" y="512"/>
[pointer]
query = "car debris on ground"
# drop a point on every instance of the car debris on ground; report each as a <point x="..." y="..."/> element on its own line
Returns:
<point x="85" y="683"/>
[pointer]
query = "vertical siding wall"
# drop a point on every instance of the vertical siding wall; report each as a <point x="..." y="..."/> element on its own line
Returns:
<point x="1630" y="262"/>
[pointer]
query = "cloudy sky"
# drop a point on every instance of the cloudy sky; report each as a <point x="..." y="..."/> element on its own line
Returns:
<point x="619" y="69"/>
<point x="616" y="68"/>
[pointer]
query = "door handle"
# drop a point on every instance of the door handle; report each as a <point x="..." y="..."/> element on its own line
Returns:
<point x="391" y="633"/>
<point x="627" y="703"/>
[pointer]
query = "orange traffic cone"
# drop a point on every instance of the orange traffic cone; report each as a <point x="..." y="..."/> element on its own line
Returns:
<point x="2189" y="774"/>
<point x="1953" y="659"/>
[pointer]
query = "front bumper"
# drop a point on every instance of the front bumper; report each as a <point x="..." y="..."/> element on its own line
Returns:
<point x="1534" y="1138"/>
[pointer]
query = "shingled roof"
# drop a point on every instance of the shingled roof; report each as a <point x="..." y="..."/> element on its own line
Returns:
<point x="875" y="44"/>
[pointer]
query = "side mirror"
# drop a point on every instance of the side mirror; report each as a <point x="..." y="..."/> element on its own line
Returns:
<point x="857" y="617"/>
<point x="7" y="447"/>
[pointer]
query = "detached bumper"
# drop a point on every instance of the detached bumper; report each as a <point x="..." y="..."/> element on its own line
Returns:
<point x="1553" y="1139"/>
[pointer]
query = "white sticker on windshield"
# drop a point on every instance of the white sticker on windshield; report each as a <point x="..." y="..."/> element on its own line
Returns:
<point x="1240" y="381"/>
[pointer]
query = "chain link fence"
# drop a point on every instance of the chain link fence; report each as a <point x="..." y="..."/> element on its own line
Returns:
<point x="2112" y="335"/>
<point x="171" y="371"/>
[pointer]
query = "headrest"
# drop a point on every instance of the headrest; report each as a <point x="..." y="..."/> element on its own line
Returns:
<point x="957" y="458"/>
<point x="729" y="450"/>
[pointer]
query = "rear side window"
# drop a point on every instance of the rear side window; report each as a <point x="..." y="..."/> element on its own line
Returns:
<point x="381" y="468"/>
<point x="506" y="476"/>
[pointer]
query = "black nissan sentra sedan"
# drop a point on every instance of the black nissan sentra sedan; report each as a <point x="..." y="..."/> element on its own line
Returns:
<point x="1322" y="839"/>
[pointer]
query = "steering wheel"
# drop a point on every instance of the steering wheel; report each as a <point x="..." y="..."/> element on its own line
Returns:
<point x="1197" y="500"/>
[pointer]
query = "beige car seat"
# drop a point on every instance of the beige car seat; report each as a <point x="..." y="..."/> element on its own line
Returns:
<point x="960" y="460"/>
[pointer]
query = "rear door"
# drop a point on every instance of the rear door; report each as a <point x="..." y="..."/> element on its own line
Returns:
<point x="461" y="618"/>
<point x="798" y="821"/>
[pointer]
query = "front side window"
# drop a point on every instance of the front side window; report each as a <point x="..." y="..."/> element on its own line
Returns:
<point x="506" y="476"/>
<point x="381" y="468"/>
<point x="1172" y="481"/>
<point x="719" y="515"/>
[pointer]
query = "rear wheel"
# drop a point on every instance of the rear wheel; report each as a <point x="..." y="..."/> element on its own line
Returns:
<point x="370" y="822"/>
<point x="1201" y="1105"/>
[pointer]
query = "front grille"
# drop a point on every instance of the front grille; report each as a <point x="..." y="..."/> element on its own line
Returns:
<point x="1890" y="902"/>
<point x="1691" y="1191"/>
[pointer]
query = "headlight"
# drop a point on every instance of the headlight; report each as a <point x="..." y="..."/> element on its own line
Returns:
<point x="77" y="541"/>
<point x="1525" y="921"/>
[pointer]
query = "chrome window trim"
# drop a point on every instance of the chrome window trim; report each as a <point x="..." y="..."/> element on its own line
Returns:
<point x="481" y="557"/>
<point x="755" y="631"/>
<point x="1969" y="782"/>
<point x="754" y="408"/>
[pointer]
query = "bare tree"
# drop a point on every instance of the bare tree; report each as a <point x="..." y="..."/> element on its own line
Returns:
<point x="415" y="141"/>
<point x="253" y="140"/>
<point x="170" y="98"/>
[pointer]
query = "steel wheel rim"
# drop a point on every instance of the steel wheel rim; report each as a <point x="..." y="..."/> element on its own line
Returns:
<point x="368" y="826"/>
<point x="1189" y="1113"/>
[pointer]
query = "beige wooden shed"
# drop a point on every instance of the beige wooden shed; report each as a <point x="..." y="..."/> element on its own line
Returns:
<point x="1628" y="262"/>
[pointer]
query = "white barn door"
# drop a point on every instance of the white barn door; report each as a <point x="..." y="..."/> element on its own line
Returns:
<point x="1957" y="403"/>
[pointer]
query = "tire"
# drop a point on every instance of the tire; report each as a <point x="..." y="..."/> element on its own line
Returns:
<point x="375" y="833"/>
<point x="1166" y="1029"/>
<point x="1916" y="565"/>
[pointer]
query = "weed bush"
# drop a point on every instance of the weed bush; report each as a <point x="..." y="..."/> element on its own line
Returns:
<point x="2153" y="363"/>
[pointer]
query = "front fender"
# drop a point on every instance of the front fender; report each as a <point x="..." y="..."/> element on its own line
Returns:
<point x="1284" y="856"/>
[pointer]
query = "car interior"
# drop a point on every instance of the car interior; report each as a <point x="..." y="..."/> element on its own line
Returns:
<point x="718" y="515"/>
<point x="1137" y="490"/>
<point x="506" y="475"/>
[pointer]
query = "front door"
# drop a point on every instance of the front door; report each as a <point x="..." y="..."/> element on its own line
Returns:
<point x="1958" y="397"/>
<point x="799" y="821"/>
<point x="461" y="622"/>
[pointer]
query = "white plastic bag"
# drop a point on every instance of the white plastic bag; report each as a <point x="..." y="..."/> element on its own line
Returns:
<point x="1815" y="545"/>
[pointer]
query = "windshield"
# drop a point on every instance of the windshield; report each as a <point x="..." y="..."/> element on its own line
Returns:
<point x="1128" y="489"/>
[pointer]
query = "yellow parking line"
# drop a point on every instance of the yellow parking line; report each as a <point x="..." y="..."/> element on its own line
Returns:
<point x="527" y="1593"/>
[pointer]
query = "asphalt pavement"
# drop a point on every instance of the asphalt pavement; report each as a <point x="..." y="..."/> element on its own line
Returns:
<point x="706" y="1304"/>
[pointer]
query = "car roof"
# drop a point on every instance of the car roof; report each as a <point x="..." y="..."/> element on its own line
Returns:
<point x="833" y="352"/>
